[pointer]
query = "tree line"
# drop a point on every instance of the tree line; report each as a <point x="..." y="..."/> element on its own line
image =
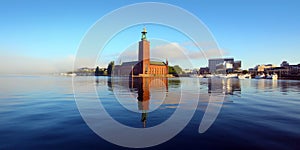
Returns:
<point x="105" y="71"/>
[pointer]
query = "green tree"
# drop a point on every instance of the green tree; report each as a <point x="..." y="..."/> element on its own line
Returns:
<point x="171" y="70"/>
<point x="178" y="69"/>
<point x="97" y="72"/>
<point x="110" y="68"/>
<point x="245" y="71"/>
<point x="175" y="70"/>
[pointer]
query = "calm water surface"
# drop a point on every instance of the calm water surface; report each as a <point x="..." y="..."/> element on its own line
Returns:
<point x="39" y="112"/>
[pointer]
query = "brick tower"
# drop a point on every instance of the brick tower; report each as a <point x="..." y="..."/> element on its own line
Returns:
<point x="144" y="53"/>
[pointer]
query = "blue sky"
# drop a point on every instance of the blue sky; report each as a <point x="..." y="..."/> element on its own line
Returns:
<point x="43" y="36"/>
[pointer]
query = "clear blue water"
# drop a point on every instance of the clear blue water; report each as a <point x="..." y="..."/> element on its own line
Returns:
<point x="39" y="112"/>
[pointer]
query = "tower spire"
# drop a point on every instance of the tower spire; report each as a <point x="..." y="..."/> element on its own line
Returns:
<point x="144" y="32"/>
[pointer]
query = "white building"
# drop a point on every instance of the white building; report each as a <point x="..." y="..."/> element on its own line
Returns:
<point x="223" y="65"/>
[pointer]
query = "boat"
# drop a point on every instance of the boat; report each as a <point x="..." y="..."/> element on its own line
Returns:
<point x="72" y="74"/>
<point x="226" y="76"/>
<point x="200" y="76"/>
<point x="208" y="76"/>
<point x="196" y="76"/>
<point x="268" y="76"/>
<point x="273" y="76"/>
<point x="242" y="76"/>
<point x="68" y="74"/>
<point x="260" y="76"/>
<point x="231" y="76"/>
<point x="248" y="76"/>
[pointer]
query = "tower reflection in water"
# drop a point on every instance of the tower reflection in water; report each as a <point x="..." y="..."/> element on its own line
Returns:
<point x="143" y="85"/>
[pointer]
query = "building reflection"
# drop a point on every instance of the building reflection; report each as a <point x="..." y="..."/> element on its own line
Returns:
<point x="149" y="92"/>
<point x="289" y="85"/>
<point x="224" y="86"/>
<point x="264" y="84"/>
<point x="143" y="87"/>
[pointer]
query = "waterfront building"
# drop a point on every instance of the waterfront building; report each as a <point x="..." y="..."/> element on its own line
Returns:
<point x="292" y="69"/>
<point x="144" y="67"/>
<point x="223" y="65"/>
<point x="237" y="65"/>
<point x="289" y="71"/>
<point x="285" y="71"/>
<point x="262" y="68"/>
